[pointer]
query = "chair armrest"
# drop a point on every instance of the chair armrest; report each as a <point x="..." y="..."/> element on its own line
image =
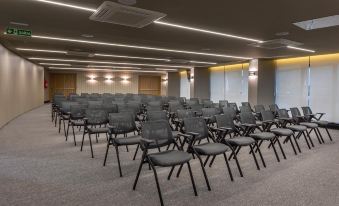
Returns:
<point x="145" y="142"/>
<point x="225" y="128"/>
<point x="267" y="121"/>
<point x="285" y="119"/>
<point x="184" y="135"/>
<point x="248" y="125"/>
<point x="321" y="113"/>
<point x="193" y="133"/>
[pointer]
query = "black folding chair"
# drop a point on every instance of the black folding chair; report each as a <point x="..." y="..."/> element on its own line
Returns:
<point x="316" y="118"/>
<point x="122" y="123"/>
<point x="95" y="123"/>
<point x="76" y="119"/>
<point x="156" y="134"/>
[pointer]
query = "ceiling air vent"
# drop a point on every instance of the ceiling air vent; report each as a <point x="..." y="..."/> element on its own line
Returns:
<point x="80" y="54"/>
<point x="115" y="13"/>
<point x="276" y="44"/>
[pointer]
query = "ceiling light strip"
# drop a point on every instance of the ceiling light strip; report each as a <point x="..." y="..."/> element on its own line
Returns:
<point x="111" y="70"/>
<point x="301" y="49"/>
<point x="53" y="64"/>
<point x="130" y="57"/>
<point x="67" y="5"/>
<point x="41" y="50"/>
<point x="103" y="66"/>
<point x="200" y="62"/>
<point x="105" y="62"/>
<point x="138" y="47"/>
<point x="207" y="31"/>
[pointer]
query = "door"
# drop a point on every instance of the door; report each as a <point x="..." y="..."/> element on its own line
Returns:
<point x="62" y="84"/>
<point x="150" y="85"/>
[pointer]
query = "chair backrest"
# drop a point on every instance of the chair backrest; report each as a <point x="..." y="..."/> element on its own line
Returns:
<point x="153" y="108"/>
<point x="182" y="100"/>
<point x="158" y="131"/>
<point x="223" y="103"/>
<point x="246" y="104"/>
<point x="136" y="106"/>
<point x="233" y="105"/>
<point x="274" y="107"/>
<point x="77" y="111"/>
<point x="245" y="109"/>
<point x="225" y="120"/>
<point x="196" y="107"/>
<point x="197" y="125"/>
<point x="209" y="112"/>
<point x="230" y="112"/>
<point x="108" y="100"/>
<point x="259" y="108"/>
<point x="121" y="123"/>
<point x="247" y="118"/>
<point x="57" y="100"/>
<point x="96" y="116"/>
<point x="154" y="103"/>
<point x="184" y="113"/>
<point x="192" y="102"/>
<point x="267" y="115"/>
<point x="110" y="108"/>
<point x="295" y="112"/>
<point x="156" y="115"/>
<point x="283" y="113"/>
<point x="95" y="104"/>
<point x="174" y="106"/>
<point x="208" y="103"/>
<point x="306" y="111"/>
<point x="66" y="106"/>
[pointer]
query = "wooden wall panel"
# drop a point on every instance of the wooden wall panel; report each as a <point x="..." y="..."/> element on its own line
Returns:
<point x="64" y="83"/>
<point x="150" y="85"/>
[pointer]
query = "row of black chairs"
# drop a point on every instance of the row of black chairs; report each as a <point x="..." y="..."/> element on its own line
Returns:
<point x="183" y="130"/>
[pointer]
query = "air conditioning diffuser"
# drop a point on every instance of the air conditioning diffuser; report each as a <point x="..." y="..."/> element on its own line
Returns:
<point x="276" y="44"/>
<point x="115" y="13"/>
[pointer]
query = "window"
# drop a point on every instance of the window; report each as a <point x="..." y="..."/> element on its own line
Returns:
<point x="229" y="83"/>
<point x="184" y="85"/>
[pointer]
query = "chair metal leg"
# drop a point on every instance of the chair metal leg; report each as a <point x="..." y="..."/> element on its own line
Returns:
<point x="206" y="160"/>
<point x="90" y="143"/>
<point x="316" y="134"/>
<point x="290" y="139"/>
<point x="170" y="174"/>
<point x="309" y="138"/>
<point x="83" y="138"/>
<point x="204" y="172"/>
<point x="67" y="130"/>
<point x="228" y="167"/>
<point x="308" y="144"/>
<point x="107" y="148"/>
<point x="296" y="142"/>
<point x="136" y="151"/>
<point x="75" y="142"/>
<point x="254" y="157"/>
<point x="117" y="152"/>
<point x="275" y="151"/>
<point x="192" y="179"/>
<point x="281" y="149"/>
<point x="328" y="133"/>
<point x="237" y="162"/>
<point x="157" y="182"/>
<point x="212" y="161"/>
<point x="139" y="170"/>
<point x="320" y="135"/>
<point x="260" y="154"/>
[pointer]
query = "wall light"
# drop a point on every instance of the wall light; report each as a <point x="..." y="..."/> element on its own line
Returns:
<point x="109" y="79"/>
<point x="92" y="78"/>
<point x="252" y="73"/>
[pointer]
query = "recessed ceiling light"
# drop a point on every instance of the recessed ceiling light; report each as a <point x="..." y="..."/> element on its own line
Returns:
<point x="41" y="50"/>
<point x="207" y="31"/>
<point x="18" y="23"/>
<point x="138" y="47"/>
<point x="87" y="35"/>
<point x="301" y="49"/>
<point x="199" y="62"/>
<point x="106" y="62"/>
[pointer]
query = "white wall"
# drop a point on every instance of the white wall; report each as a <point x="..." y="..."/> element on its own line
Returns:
<point x="21" y="85"/>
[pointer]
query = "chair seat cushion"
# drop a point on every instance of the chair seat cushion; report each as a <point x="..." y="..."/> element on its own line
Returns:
<point x="77" y="123"/>
<point x="309" y="124"/>
<point x="170" y="158"/>
<point x="132" y="140"/>
<point x="282" y="131"/>
<point x="262" y="135"/>
<point x="298" y="128"/>
<point x="175" y="133"/>
<point x="211" y="148"/>
<point x="321" y="123"/>
<point x="240" y="141"/>
<point x="98" y="130"/>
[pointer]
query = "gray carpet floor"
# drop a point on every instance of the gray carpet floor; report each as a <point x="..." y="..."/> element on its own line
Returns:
<point x="38" y="167"/>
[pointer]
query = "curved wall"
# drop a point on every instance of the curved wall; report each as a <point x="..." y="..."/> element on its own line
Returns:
<point x="21" y="86"/>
